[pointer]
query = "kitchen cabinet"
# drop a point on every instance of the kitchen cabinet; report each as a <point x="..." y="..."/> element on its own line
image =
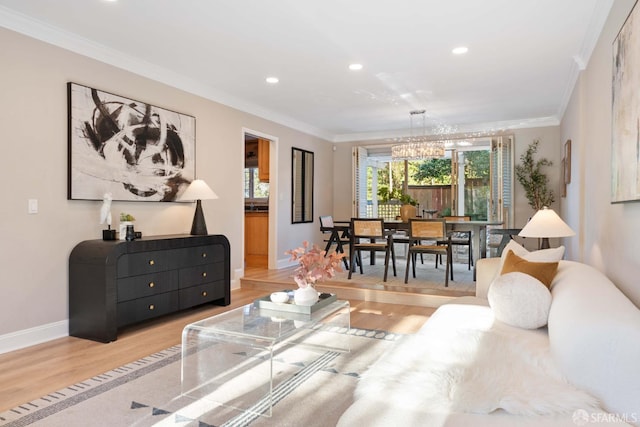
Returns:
<point x="263" y="160"/>
<point x="256" y="239"/>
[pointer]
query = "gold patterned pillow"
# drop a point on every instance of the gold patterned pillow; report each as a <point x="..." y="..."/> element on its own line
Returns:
<point x="543" y="271"/>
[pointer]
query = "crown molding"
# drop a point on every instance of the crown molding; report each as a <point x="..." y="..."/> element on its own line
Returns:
<point x="581" y="59"/>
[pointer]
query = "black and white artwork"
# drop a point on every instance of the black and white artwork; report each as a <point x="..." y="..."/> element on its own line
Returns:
<point x="133" y="150"/>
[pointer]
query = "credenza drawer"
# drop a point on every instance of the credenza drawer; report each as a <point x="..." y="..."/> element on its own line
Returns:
<point x="200" y="274"/>
<point x="201" y="294"/>
<point x="148" y="284"/>
<point x="142" y="263"/>
<point x="146" y="308"/>
<point x="198" y="255"/>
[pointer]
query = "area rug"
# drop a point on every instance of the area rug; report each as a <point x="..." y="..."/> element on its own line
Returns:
<point x="311" y="388"/>
<point x="428" y="278"/>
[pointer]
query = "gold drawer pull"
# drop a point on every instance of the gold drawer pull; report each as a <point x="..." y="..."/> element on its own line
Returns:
<point x="151" y="284"/>
<point x="152" y="307"/>
<point x="204" y="274"/>
<point x="204" y="255"/>
<point x="151" y="262"/>
<point x="204" y="293"/>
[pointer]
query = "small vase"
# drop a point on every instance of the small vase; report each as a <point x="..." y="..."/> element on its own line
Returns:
<point x="131" y="234"/>
<point x="406" y="212"/>
<point x="305" y="296"/>
<point x="123" y="229"/>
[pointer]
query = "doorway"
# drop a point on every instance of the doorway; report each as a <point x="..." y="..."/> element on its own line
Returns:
<point x="257" y="174"/>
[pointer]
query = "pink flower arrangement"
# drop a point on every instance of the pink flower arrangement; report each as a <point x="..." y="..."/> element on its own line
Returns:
<point x="314" y="265"/>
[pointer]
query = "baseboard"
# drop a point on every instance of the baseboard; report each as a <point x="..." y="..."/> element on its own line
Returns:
<point x="28" y="337"/>
<point x="285" y="263"/>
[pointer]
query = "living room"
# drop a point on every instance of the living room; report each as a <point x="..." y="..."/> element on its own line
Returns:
<point x="36" y="247"/>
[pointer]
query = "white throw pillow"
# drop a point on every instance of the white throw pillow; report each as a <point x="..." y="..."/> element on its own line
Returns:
<point x="520" y="300"/>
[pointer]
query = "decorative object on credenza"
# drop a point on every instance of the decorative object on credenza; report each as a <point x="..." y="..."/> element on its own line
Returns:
<point x="131" y="234"/>
<point x="198" y="190"/>
<point x="126" y="220"/>
<point x="105" y="217"/>
<point x="134" y="150"/>
<point x="546" y="224"/>
<point x="625" y="117"/>
<point x="314" y="265"/>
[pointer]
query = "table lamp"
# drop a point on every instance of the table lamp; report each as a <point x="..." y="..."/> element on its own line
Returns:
<point x="198" y="190"/>
<point x="546" y="224"/>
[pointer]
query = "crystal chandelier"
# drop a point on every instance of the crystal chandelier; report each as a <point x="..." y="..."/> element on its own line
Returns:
<point x="418" y="147"/>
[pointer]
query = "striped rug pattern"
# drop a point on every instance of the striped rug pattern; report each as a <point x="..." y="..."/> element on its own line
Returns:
<point x="51" y="409"/>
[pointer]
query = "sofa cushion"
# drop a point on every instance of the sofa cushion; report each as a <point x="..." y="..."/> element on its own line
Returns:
<point x="520" y="300"/>
<point x="543" y="271"/>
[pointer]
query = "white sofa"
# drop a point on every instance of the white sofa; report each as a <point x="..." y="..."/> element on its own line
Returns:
<point x="592" y="339"/>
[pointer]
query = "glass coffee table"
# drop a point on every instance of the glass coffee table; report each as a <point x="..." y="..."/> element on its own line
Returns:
<point x="229" y="358"/>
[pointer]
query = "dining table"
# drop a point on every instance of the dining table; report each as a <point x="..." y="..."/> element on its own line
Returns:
<point x="478" y="230"/>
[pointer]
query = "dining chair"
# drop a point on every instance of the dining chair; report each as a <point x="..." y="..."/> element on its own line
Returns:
<point x="368" y="234"/>
<point x="504" y="235"/>
<point x="425" y="236"/>
<point x="337" y="235"/>
<point x="459" y="237"/>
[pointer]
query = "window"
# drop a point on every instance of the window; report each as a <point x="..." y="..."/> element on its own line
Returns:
<point x="254" y="190"/>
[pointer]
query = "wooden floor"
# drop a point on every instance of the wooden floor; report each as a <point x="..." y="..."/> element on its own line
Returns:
<point x="35" y="371"/>
<point x="276" y="280"/>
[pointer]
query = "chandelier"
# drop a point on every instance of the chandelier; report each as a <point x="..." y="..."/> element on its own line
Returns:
<point x="418" y="147"/>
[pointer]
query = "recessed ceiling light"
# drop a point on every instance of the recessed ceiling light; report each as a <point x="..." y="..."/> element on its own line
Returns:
<point x="355" y="67"/>
<point x="272" y="80"/>
<point x="460" y="50"/>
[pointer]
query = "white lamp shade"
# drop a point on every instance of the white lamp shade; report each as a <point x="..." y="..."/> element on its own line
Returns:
<point x="546" y="223"/>
<point x="198" y="190"/>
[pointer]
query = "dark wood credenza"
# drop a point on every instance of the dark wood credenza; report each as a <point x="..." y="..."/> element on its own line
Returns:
<point x="118" y="283"/>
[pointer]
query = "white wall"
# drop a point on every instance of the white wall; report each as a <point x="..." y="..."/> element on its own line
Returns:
<point x="608" y="233"/>
<point x="34" y="249"/>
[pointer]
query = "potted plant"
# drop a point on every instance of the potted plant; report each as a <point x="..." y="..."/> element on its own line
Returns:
<point x="533" y="179"/>
<point x="313" y="267"/>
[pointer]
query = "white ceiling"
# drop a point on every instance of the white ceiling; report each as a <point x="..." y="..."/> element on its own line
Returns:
<point x="523" y="59"/>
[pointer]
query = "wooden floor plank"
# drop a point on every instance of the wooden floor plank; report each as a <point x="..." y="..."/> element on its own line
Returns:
<point x="30" y="373"/>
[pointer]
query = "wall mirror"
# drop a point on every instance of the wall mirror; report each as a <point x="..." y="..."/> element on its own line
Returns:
<point x="301" y="186"/>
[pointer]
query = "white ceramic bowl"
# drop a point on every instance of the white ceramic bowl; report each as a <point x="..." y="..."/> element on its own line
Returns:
<point x="279" y="297"/>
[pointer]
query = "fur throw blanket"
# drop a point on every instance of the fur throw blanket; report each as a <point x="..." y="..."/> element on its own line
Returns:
<point x="453" y="370"/>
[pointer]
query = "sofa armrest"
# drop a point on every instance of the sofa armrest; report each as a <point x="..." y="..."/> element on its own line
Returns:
<point x="486" y="270"/>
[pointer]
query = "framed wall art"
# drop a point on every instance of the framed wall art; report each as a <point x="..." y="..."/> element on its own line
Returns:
<point x="131" y="149"/>
<point x="625" y="120"/>
<point x="563" y="193"/>
<point x="567" y="162"/>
